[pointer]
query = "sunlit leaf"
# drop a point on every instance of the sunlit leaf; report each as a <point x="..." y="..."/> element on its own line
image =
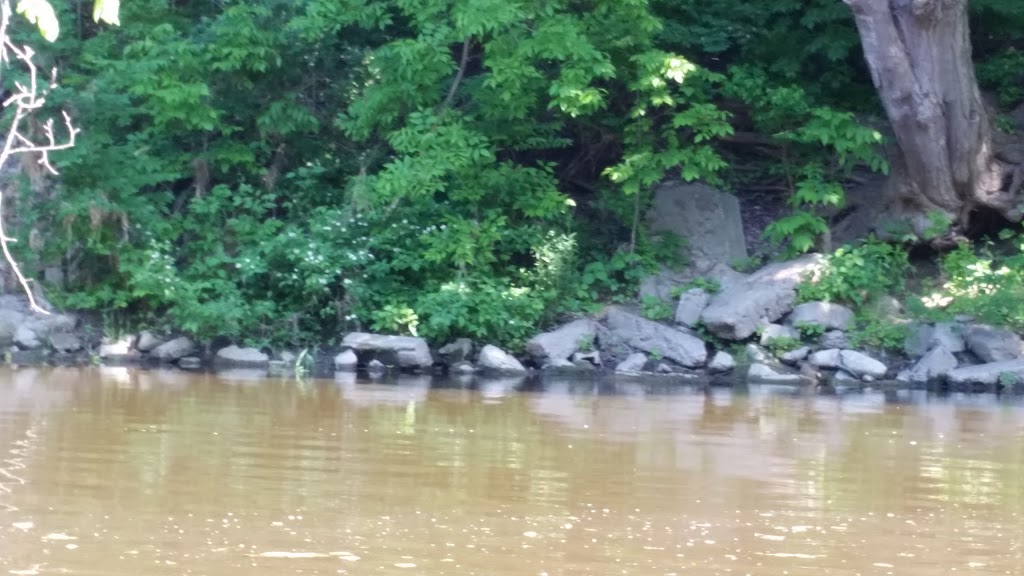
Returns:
<point x="106" y="11"/>
<point x="40" y="13"/>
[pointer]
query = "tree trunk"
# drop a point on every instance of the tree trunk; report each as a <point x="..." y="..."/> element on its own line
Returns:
<point x="943" y="159"/>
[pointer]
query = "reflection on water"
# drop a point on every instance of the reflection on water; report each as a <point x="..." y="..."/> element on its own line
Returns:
<point x="120" y="472"/>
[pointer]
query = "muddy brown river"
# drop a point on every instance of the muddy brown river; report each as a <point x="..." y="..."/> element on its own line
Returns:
<point x="115" y="472"/>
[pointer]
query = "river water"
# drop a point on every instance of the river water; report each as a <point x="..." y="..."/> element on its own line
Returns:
<point x="115" y="472"/>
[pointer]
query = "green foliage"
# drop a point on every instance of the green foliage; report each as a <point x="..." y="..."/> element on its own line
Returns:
<point x="781" y="345"/>
<point x="810" y="330"/>
<point x="654" y="308"/>
<point x="984" y="283"/>
<point x="857" y="275"/>
<point x="874" y="331"/>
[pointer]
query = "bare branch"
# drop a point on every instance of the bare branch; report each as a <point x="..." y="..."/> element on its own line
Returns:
<point x="24" y="101"/>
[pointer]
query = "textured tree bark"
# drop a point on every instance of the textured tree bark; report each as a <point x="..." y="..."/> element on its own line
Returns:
<point x="943" y="158"/>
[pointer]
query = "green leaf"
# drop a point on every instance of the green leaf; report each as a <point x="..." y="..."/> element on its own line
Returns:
<point x="106" y="11"/>
<point x="40" y="13"/>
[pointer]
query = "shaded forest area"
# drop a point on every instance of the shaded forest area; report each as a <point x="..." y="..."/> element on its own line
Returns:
<point x="283" y="171"/>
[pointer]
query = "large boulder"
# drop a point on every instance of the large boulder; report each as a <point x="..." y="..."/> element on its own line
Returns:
<point x="173" y="350"/>
<point x="494" y="359"/>
<point x="994" y="344"/>
<point x="408" y="351"/>
<point x="765" y="296"/>
<point x="988" y="374"/>
<point x="830" y="316"/>
<point x="691" y="304"/>
<point x="708" y="219"/>
<point x="924" y="337"/>
<point x="861" y="365"/>
<point x="561" y="343"/>
<point x="633" y="364"/>
<point x="346" y="361"/>
<point x="721" y="362"/>
<point x="935" y="365"/>
<point x="763" y="374"/>
<point x="654" y="338"/>
<point x="455" y="352"/>
<point x="233" y="355"/>
<point x="773" y="332"/>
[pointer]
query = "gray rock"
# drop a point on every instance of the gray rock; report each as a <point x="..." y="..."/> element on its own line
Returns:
<point x="765" y="374"/>
<point x="755" y="353"/>
<point x="463" y="367"/>
<point x="288" y="357"/>
<point x="376" y="367"/>
<point x="691" y="304"/>
<point x="147" y="341"/>
<point x="190" y="363"/>
<point x="494" y="359"/>
<point x="924" y="337"/>
<point x="65" y="342"/>
<point x="830" y="316"/>
<point x="593" y="357"/>
<point x="583" y="366"/>
<point x="173" y="350"/>
<point x="794" y="357"/>
<point x="935" y="365"/>
<point x="26" y="338"/>
<point x="994" y="344"/>
<point x="410" y="351"/>
<point x="559" y="366"/>
<point x="861" y="365"/>
<point x="120" y="348"/>
<point x="241" y="356"/>
<point x="559" y="344"/>
<point x="708" y="219"/>
<point x="663" y="368"/>
<point x="778" y="332"/>
<point x="834" y="339"/>
<point x="663" y="284"/>
<point x="988" y="374"/>
<point x="633" y="364"/>
<point x="654" y="338"/>
<point x="457" y="351"/>
<point x="949" y="335"/>
<point x="844" y="376"/>
<point x="765" y="296"/>
<point x="831" y="358"/>
<point x="346" y="361"/>
<point x="721" y="363"/>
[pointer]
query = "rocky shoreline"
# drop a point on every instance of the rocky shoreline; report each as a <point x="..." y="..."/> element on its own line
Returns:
<point x="750" y="331"/>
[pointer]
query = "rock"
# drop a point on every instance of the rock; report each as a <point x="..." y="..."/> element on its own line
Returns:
<point x="834" y="339"/>
<point x="935" y="365"/>
<point x="765" y="296"/>
<point x="583" y="366"/>
<point x="830" y="358"/>
<point x="708" y="219"/>
<point x="376" y="366"/>
<point x="993" y="344"/>
<point x="691" y="304"/>
<point x="559" y="366"/>
<point x="778" y="332"/>
<point x="279" y="368"/>
<point x="593" y="357"/>
<point x="765" y="374"/>
<point x="844" y="376"/>
<point x="409" y="351"/>
<point x="924" y="337"/>
<point x="559" y="344"/>
<point x="457" y="351"/>
<point x="949" y="335"/>
<point x="190" y="363"/>
<point x="65" y="342"/>
<point x="120" y="348"/>
<point x="655" y="338"/>
<point x="173" y="350"/>
<point x="346" y="361"/>
<point x="663" y="284"/>
<point x="494" y="359"/>
<point x="26" y="338"/>
<point x="721" y="362"/>
<point x="861" y="365"/>
<point x="825" y="314"/>
<point x="663" y="368"/>
<point x="990" y="374"/>
<point x="755" y="354"/>
<point x="288" y="357"/>
<point x="147" y="341"/>
<point x="463" y="367"/>
<point x="633" y="364"/>
<point x="794" y="357"/>
<point x="241" y="356"/>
